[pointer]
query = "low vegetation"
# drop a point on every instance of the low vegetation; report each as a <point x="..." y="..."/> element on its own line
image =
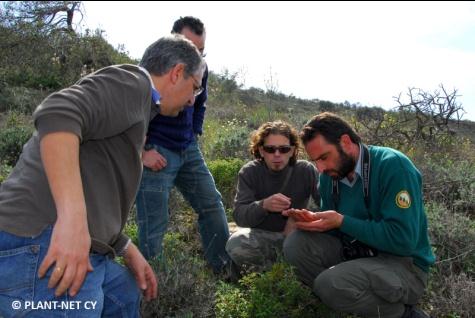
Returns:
<point x="442" y="148"/>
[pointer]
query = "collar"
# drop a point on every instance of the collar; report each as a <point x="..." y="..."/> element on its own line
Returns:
<point x="155" y="94"/>
<point x="358" y="171"/>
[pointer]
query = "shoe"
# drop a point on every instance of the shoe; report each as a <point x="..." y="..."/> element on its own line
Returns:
<point x="414" y="312"/>
<point x="230" y="273"/>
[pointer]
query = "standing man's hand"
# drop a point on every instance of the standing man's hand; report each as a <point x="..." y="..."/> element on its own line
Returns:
<point x="69" y="252"/>
<point x="70" y="241"/>
<point x="276" y="203"/>
<point x="143" y="272"/>
<point x="152" y="159"/>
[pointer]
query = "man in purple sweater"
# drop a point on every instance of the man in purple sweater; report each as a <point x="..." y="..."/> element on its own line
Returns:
<point x="172" y="157"/>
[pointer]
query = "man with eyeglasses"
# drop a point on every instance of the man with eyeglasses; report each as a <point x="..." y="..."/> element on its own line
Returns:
<point x="64" y="206"/>
<point x="172" y="157"/>
<point x="275" y="181"/>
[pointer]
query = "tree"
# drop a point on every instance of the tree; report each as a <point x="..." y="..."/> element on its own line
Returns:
<point x="429" y="114"/>
<point x="425" y="117"/>
<point x="45" y="16"/>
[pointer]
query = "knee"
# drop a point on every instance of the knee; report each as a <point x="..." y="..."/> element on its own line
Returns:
<point x="236" y="250"/>
<point x="324" y="287"/>
<point x="292" y="247"/>
<point x="231" y="245"/>
<point x="335" y="290"/>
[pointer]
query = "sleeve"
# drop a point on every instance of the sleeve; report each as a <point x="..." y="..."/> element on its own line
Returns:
<point x="248" y="212"/>
<point x="121" y="243"/>
<point x="101" y="105"/>
<point x="397" y="231"/>
<point x="200" y="106"/>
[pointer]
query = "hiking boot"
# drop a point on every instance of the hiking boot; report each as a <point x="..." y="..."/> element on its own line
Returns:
<point x="231" y="273"/>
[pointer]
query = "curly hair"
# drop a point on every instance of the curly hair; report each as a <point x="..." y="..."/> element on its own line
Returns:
<point x="278" y="127"/>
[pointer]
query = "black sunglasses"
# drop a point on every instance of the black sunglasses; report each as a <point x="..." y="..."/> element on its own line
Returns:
<point x="273" y="149"/>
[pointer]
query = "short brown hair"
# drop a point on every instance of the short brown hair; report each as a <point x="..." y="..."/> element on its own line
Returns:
<point x="278" y="127"/>
<point x="330" y="126"/>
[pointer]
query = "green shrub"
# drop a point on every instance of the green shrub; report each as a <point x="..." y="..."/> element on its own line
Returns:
<point x="276" y="293"/>
<point x="231" y="302"/>
<point x="14" y="133"/>
<point x="20" y="99"/>
<point x="451" y="285"/>
<point x="451" y="296"/>
<point x="4" y="171"/>
<point x="131" y="230"/>
<point x="186" y="286"/>
<point x="225" y="140"/>
<point x="225" y="173"/>
<point x="452" y="236"/>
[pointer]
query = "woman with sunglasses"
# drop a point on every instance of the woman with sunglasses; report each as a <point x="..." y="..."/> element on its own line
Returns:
<point x="275" y="181"/>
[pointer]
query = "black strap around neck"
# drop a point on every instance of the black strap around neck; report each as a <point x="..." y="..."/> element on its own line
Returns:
<point x="365" y="171"/>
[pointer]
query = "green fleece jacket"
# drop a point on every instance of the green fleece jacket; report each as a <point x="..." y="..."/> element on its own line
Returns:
<point x="395" y="221"/>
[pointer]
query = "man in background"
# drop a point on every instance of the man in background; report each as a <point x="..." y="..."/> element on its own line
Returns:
<point x="172" y="157"/>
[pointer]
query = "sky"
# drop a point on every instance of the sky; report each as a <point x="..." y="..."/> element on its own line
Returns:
<point x="360" y="52"/>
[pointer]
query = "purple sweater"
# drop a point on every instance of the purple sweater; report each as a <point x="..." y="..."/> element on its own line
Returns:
<point x="176" y="133"/>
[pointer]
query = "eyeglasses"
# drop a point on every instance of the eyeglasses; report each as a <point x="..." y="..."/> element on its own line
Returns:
<point x="273" y="149"/>
<point x="197" y="88"/>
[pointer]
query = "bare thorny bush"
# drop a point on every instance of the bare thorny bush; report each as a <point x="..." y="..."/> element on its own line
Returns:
<point x="420" y="117"/>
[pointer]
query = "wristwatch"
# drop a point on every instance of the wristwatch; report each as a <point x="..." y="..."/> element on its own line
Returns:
<point x="124" y="249"/>
<point x="148" y="147"/>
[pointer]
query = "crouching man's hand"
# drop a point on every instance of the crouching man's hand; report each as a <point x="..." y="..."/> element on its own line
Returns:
<point x="315" y="221"/>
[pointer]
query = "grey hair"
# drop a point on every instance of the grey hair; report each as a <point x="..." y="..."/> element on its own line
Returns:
<point x="168" y="51"/>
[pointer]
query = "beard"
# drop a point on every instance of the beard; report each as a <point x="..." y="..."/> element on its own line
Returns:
<point x="346" y="165"/>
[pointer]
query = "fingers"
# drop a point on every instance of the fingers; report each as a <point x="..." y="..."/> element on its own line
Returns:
<point x="64" y="276"/>
<point x="301" y="215"/>
<point x="152" y="289"/>
<point x="308" y="216"/>
<point x="79" y="278"/>
<point x="47" y="262"/>
<point x="140" y="278"/>
<point x="160" y="162"/>
<point x="56" y="275"/>
<point x="277" y="203"/>
<point x="279" y="206"/>
<point x="314" y="226"/>
<point x="65" y="282"/>
<point x="279" y="197"/>
<point x="154" y="160"/>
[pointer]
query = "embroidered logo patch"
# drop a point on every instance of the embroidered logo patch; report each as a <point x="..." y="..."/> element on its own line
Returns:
<point x="403" y="199"/>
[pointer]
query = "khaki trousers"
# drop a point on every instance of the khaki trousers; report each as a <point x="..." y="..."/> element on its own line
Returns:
<point x="255" y="249"/>
<point x="378" y="286"/>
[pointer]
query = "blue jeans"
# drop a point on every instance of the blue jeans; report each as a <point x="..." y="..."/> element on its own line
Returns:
<point x="186" y="170"/>
<point x="109" y="291"/>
